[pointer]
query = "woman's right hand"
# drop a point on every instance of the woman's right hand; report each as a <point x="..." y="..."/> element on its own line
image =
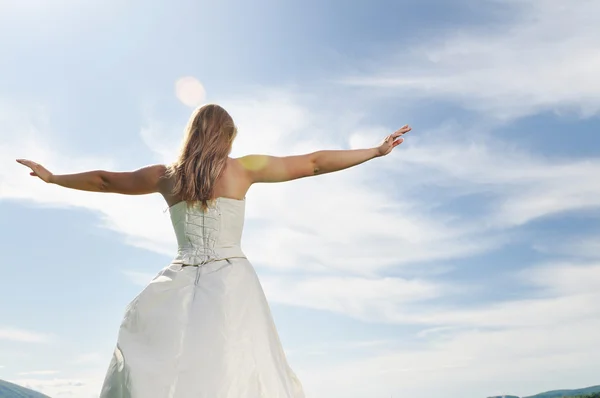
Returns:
<point x="392" y="140"/>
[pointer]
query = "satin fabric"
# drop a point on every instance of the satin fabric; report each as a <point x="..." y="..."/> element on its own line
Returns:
<point x="202" y="328"/>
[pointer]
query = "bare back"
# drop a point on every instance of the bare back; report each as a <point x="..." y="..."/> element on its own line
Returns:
<point x="233" y="183"/>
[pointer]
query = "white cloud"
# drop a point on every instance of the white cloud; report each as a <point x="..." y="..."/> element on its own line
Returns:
<point x="377" y="219"/>
<point x="585" y="246"/>
<point x="23" y="138"/>
<point x="90" y="357"/>
<point x="332" y="348"/>
<point x="523" y="66"/>
<point x="489" y="349"/>
<point x="472" y="363"/>
<point x="519" y="186"/>
<point x="23" y="336"/>
<point x="275" y="123"/>
<point x="39" y="373"/>
<point x="557" y="294"/>
<point x="86" y="385"/>
<point x="139" y="278"/>
<point x="588" y="247"/>
<point x="376" y="215"/>
<point x="566" y="278"/>
<point x="362" y="298"/>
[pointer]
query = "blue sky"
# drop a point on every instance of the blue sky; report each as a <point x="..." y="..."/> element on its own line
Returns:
<point x="466" y="264"/>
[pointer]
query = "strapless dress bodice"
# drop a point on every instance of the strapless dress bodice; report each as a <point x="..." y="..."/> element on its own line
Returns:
<point x="211" y="235"/>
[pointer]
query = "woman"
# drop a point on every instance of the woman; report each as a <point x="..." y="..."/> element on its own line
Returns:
<point x="202" y="328"/>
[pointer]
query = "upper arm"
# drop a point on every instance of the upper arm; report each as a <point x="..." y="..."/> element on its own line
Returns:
<point x="264" y="168"/>
<point x="139" y="182"/>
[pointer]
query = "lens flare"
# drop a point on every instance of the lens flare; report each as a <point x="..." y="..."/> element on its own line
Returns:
<point x="190" y="91"/>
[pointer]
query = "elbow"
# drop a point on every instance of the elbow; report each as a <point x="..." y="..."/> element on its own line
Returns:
<point x="315" y="167"/>
<point x="102" y="182"/>
<point x="316" y="170"/>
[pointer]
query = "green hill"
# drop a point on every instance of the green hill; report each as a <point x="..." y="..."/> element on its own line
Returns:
<point x="592" y="395"/>
<point x="504" y="396"/>
<point x="10" y="390"/>
<point x="568" y="393"/>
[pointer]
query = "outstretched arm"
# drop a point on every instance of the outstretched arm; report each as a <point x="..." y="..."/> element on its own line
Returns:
<point x="139" y="182"/>
<point x="263" y="168"/>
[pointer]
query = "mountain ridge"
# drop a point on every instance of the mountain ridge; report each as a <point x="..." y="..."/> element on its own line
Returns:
<point x="11" y="390"/>
<point x="558" y="393"/>
<point x="567" y="393"/>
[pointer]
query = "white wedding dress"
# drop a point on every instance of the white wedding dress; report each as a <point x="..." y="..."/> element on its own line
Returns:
<point x="202" y="328"/>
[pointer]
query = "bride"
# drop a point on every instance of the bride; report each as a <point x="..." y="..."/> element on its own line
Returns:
<point x="202" y="328"/>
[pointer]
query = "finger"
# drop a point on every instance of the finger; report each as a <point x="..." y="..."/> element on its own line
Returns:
<point x="398" y="142"/>
<point x="33" y="174"/>
<point x="26" y="162"/>
<point x="402" y="130"/>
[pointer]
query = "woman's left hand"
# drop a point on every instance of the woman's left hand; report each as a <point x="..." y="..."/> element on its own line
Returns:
<point x="37" y="170"/>
<point x="393" y="140"/>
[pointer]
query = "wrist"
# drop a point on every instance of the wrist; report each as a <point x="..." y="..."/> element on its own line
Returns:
<point x="51" y="179"/>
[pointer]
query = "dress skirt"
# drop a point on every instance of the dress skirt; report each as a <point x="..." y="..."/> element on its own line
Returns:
<point x="200" y="332"/>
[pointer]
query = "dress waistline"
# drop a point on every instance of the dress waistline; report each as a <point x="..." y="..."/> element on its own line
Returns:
<point x="195" y="256"/>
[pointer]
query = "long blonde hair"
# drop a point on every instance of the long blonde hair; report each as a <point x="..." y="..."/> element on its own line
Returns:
<point x="206" y="146"/>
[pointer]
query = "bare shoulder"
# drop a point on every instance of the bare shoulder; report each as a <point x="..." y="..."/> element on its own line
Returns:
<point x="160" y="172"/>
<point x="253" y="162"/>
<point x="238" y="171"/>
